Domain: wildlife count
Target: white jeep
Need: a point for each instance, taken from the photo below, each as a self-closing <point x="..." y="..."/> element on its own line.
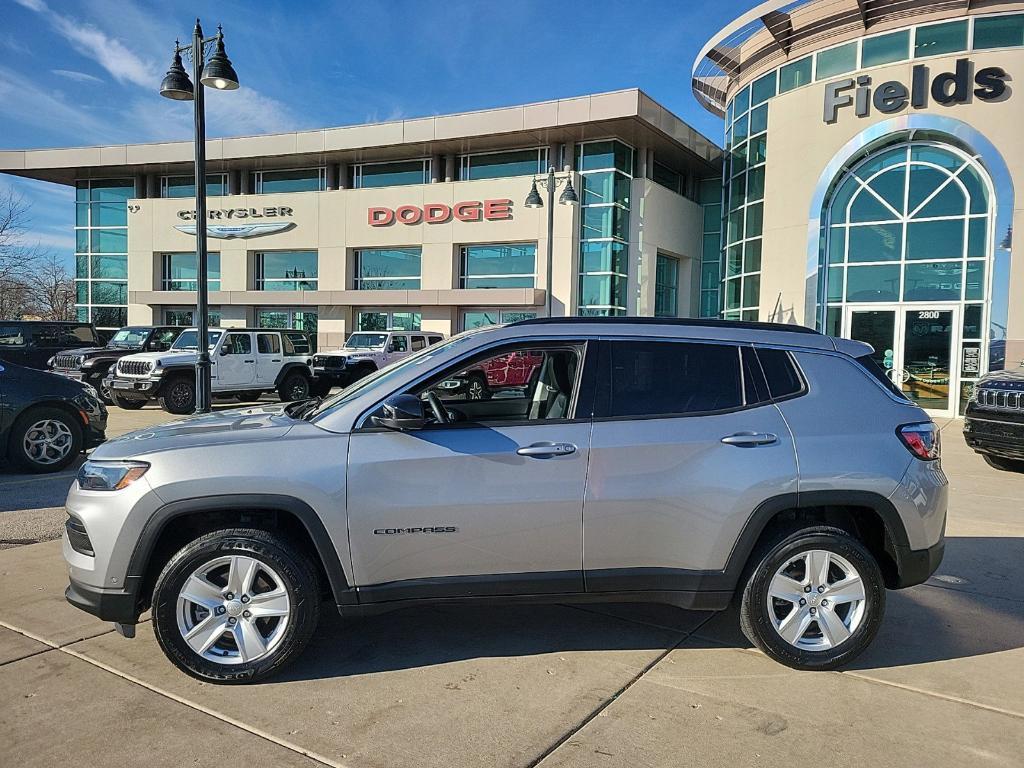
<point x="368" y="351"/>
<point x="245" y="363"/>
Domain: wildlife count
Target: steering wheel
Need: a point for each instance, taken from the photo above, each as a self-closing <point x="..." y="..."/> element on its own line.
<point x="440" y="413"/>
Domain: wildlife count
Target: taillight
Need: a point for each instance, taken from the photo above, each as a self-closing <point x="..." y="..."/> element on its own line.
<point x="921" y="439"/>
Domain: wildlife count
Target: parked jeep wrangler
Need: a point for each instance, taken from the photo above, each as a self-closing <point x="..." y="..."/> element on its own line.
<point x="245" y="363"/>
<point x="92" y="364"/>
<point x="368" y="351"/>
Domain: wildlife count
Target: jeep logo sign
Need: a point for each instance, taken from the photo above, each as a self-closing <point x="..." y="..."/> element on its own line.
<point x="892" y="96"/>
<point x="439" y="213"/>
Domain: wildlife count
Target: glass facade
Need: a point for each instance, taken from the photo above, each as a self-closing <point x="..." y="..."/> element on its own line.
<point x="746" y="138"/>
<point x="666" y="287"/>
<point x="283" y="318"/>
<point x="184" y="316"/>
<point x="480" y="318"/>
<point x="379" y="269"/>
<point x="185" y="186"/>
<point x="606" y="176"/>
<point x="386" y="320"/>
<point x="710" y="198"/>
<point x="501" y="265"/>
<point x="297" y="180"/>
<point x="391" y="174"/>
<point x="180" y="271"/>
<point x="494" y="165"/>
<point x="101" y="251"/>
<point x="286" y="271"/>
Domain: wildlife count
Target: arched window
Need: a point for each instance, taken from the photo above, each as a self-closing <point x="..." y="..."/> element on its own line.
<point x="908" y="224"/>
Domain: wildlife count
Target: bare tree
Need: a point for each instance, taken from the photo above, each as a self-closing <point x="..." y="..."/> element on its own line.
<point x="13" y="220"/>
<point x="51" y="288"/>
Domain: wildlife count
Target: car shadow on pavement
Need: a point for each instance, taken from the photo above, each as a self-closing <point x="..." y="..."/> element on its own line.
<point x="970" y="613"/>
<point x="20" y="491"/>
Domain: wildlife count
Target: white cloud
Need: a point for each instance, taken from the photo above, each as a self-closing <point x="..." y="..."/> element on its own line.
<point x="79" y="77"/>
<point x="245" y="112"/>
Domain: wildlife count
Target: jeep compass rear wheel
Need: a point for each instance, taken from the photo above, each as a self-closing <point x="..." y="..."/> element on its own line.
<point x="814" y="600"/>
<point x="235" y="606"/>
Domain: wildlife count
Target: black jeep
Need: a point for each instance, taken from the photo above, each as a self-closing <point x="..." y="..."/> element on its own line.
<point x="91" y="364"/>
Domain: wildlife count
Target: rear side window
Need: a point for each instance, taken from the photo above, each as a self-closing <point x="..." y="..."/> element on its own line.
<point x="268" y="344"/>
<point x="433" y="339"/>
<point x="867" y="362"/>
<point x="780" y="372"/>
<point x="418" y="343"/>
<point x="295" y="343"/>
<point x="671" y="378"/>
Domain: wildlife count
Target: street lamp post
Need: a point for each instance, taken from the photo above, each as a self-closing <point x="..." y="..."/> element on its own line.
<point x="215" y="72"/>
<point x="533" y="200"/>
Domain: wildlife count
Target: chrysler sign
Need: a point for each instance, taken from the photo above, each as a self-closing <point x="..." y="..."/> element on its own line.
<point x="987" y="84"/>
<point x="440" y="213"/>
<point x="221" y="214"/>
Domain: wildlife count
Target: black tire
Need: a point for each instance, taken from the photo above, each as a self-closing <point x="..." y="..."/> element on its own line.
<point x="757" y="624"/>
<point x="294" y="386"/>
<point x="250" y="396"/>
<point x="1003" y="463"/>
<point x="361" y="373"/>
<point x="299" y="578"/>
<point x="71" y="441"/>
<point x="476" y="387"/>
<point x="178" y="395"/>
<point x="126" y="403"/>
<point x="320" y="388"/>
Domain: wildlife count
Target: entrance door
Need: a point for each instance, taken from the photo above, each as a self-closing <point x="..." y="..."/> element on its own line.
<point x="915" y="347"/>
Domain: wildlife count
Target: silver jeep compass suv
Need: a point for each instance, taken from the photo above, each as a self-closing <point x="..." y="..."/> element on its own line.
<point x="690" y="462"/>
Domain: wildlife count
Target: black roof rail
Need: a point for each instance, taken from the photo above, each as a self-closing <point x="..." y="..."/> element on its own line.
<point x="693" y="322"/>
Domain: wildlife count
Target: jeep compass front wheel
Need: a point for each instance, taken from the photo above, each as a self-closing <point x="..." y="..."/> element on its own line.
<point x="236" y="605"/>
<point x="814" y="600"/>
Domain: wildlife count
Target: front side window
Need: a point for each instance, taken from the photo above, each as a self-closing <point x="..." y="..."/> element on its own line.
<point x="300" y="180"/>
<point x="180" y="271"/>
<point x="520" y="384"/>
<point x="380" y="269"/>
<point x="509" y="265"/>
<point x="667" y="378"/>
<point x="399" y="343"/>
<point x="286" y="271"/>
<point x="237" y="344"/>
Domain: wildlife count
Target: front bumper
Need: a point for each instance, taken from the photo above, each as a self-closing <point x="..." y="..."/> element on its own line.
<point x="336" y="376"/>
<point x="131" y="387"/>
<point x="107" y="604"/>
<point x="995" y="433"/>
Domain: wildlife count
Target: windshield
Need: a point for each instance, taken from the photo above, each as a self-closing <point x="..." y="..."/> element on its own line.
<point x="129" y="338"/>
<point x="366" y="340"/>
<point x="189" y="340"/>
<point x="388" y="372"/>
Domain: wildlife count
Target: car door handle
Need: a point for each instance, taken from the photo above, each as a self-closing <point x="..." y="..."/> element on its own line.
<point x="276" y="360"/>
<point x="750" y="439"/>
<point x="547" y="450"/>
<point x="248" y="361"/>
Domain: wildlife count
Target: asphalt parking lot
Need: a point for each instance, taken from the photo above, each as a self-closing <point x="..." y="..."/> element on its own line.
<point x="623" y="685"/>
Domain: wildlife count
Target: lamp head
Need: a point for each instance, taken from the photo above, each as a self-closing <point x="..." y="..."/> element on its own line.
<point x="533" y="200"/>
<point x="176" y="84"/>
<point x="217" y="71"/>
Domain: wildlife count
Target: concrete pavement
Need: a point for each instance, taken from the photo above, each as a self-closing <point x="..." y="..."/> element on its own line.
<point x="616" y="685"/>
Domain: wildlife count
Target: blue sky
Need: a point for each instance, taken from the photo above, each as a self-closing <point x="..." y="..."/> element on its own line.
<point x="74" y="74"/>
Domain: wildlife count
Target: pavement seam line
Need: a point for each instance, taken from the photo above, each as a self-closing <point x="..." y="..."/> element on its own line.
<point x="176" y="698"/>
<point x="935" y="694"/>
<point x="614" y="697"/>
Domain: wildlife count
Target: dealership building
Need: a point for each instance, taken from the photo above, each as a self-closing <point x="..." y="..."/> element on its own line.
<point x="419" y="224"/>
<point x="873" y="152"/>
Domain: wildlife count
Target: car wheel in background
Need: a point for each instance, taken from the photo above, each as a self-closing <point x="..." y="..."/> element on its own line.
<point x="476" y="387"/>
<point x="814" y="600"/>
<point x="294" y="387"/>
<point x="236" y="605"/>
<point x="178" y="396"/>
<point x="127" y="404"/>
<point x="250" y="396"/>
<point x="45" y="440"/>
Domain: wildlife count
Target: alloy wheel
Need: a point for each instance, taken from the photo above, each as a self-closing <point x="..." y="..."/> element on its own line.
<point x="48" y="441"/>
<point x="816" y="600"/>
<point x="476" y="389"/>
<point x="233" y="609"/>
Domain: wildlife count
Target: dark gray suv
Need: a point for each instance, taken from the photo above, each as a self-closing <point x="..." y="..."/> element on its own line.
<point x="689" y="462"/>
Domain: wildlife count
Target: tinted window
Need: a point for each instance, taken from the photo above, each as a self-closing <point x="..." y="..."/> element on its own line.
<point x="433" y="339"/>
<point x="868" y="364"/>
<point x="267" y="344"/>
<point x="754" y="388"/>
<point x="780" y="372"/>
<point x="418" y="343"/>
<point x="667" y="378"/>
<point x="296" y="343"/>
<point x="399" y="343"/>
<point x="11" y="336"/>
<point x="237" y="344"/>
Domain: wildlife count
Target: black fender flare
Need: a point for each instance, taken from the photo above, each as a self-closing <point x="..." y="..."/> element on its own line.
<point x="325" y="549"/>
<point x="288" y="368"/>
<point x="769" y="508"/>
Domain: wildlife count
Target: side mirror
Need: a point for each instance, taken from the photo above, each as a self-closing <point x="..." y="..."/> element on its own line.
<point x="402" y="412"/>
<point x="223" y="351"/>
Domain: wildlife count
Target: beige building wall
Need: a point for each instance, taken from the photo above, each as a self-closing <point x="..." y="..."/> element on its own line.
<point x="801" y="145"/>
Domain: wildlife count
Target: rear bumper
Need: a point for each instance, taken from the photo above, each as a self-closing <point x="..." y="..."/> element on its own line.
<point x="917" y="565"/>
<point x="109" y="605"/>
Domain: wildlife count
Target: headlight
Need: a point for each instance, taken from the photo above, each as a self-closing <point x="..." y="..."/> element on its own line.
<point x="82" y="362"/>
<point x="110" y="475"/>
<point x="49" y="363"/>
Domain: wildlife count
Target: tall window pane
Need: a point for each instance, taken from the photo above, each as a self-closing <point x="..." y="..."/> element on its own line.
<point x="388" y="269"/>
<point x="511" y="265"/>
<point x="286" y="271"/>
